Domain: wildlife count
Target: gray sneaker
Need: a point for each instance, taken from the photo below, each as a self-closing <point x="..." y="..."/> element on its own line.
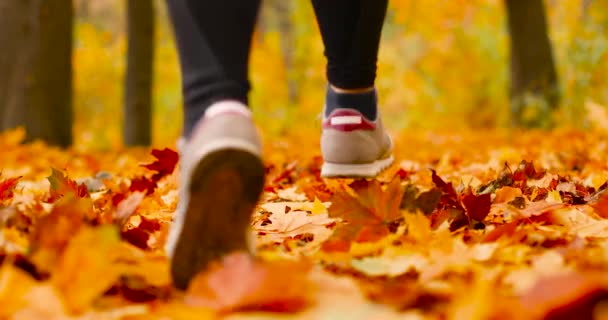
<point x="222" y="178"/>
<point x="354" y="146"/>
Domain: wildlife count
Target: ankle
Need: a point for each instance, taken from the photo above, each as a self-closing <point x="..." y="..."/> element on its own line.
<point x="363" y="100"/>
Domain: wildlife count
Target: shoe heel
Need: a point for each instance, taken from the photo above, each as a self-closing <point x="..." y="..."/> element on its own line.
<point x="225" y="187"/>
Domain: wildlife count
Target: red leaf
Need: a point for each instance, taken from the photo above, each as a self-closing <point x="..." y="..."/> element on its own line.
<point x="7" y="186"/>
<point x="143" y="184"/>
<point x="447" y="188"/>
<point x="402" y="174"/>
<point x="164" y="166"/>
<point x="167" y="160"/>
<point x="137" y="237"/>
<point x="149" y="225"/>
<point x="477" y="206"/>
<point x="449" y="197"/>
<point x="526" y="170"/>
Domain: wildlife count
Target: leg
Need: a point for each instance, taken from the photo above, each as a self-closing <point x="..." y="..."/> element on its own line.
<point x="354" y="142"/>
<point x="213" y="39"/>
<point x="222" y="174"/>
<point x="351" y="32"/>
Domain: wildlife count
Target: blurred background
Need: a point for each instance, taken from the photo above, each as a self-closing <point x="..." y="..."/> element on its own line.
<point x="443" y="65"/>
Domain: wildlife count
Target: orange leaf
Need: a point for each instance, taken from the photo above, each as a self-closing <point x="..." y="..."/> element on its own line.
<point x="7" y="186"/>
<point x="241" y="283"/>
<point x="61" y="185"/>
<point x="502" y="230"/>
<point x="565" y="296"/>
<point x="507" y="194"/>
<point x="367" y="216"/>
<point x="601" y="207"/>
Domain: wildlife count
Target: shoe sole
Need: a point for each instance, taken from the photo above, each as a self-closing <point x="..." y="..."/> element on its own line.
<point x="225" y="187"/>
<point x="366" y="170"/>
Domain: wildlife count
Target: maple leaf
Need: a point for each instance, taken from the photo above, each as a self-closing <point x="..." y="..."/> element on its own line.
<point x="7" y="186"/>
<point x="367" y="216"/>
<point x="241" y="283"/>
<point x="477" y="207"/>
<point x="87" y="251"/>
<point x="500" y="231"/>
<point x="449" y="197"/>
<point x="601" y="206"/>
<point x="164" y="165"/>
<point x="61" y="185"/>
<point x="54" y="231"/>
<point x="507" y="194"/>
<point x="525" y="170"/>
<point x="139" y="235"/>
<point x="142" y="184"/>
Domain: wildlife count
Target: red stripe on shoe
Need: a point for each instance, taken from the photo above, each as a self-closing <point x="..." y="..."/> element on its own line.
<point x="347" y="120"/>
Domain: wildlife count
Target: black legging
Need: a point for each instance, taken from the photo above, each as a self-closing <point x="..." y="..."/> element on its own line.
<point x="214" y="37"/>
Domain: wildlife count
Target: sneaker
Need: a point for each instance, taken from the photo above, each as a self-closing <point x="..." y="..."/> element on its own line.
<point x="222" y="178"/>
<point x="354" y="146"/>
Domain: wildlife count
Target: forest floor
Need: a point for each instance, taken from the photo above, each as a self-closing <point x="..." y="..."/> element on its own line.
<point x="465" y="225"/>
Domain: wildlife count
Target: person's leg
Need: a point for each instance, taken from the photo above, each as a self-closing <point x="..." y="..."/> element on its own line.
<point x="213" y="40"/>
<point x="222" y="175"/>
<point x="353" y="142"/>
<point x="351" y="32"/>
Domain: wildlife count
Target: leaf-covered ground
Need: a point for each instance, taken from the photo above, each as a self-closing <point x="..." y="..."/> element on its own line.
<point x="467" y="225"/>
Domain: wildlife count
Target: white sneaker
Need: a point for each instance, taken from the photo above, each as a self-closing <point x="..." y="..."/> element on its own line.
<point x="222" y="178"/>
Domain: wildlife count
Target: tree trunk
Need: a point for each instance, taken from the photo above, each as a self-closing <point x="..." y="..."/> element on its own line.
<point x="283" y="10"/>
<point x="36" y="64"/>
<point x="276" y="15"/>
<point x="138" y="82"/>
<point x="534" y="85"/>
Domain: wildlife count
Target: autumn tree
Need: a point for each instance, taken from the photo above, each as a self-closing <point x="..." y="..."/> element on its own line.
<point x="534" y="88"/>
<point x="36" y="68"/>
<point x="138" y="81"/>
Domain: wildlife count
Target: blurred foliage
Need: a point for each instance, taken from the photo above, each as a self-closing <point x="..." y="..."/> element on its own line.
<point x="442" y="64"/>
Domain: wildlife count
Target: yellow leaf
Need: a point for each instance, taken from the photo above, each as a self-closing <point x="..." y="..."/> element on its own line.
<point x="84" y="271"/>
<point x="14" y="283"/>
<point x="554" y="197"/>
<point x="318" y="207"/>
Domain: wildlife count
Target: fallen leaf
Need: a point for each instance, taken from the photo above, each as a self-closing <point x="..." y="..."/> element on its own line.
<point x="7" y="186"/>
<point x="164" y="165"/>
<point x="367" y="216"/>
<point x="507" y="194"/>
<point x="477" y="206"/>
<point x="601" y="206"/>
<point x="84" y="271"/>
<point x="61" y="185"/>
<point x="242" y="283"/>
<point x="565" y="296"/>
